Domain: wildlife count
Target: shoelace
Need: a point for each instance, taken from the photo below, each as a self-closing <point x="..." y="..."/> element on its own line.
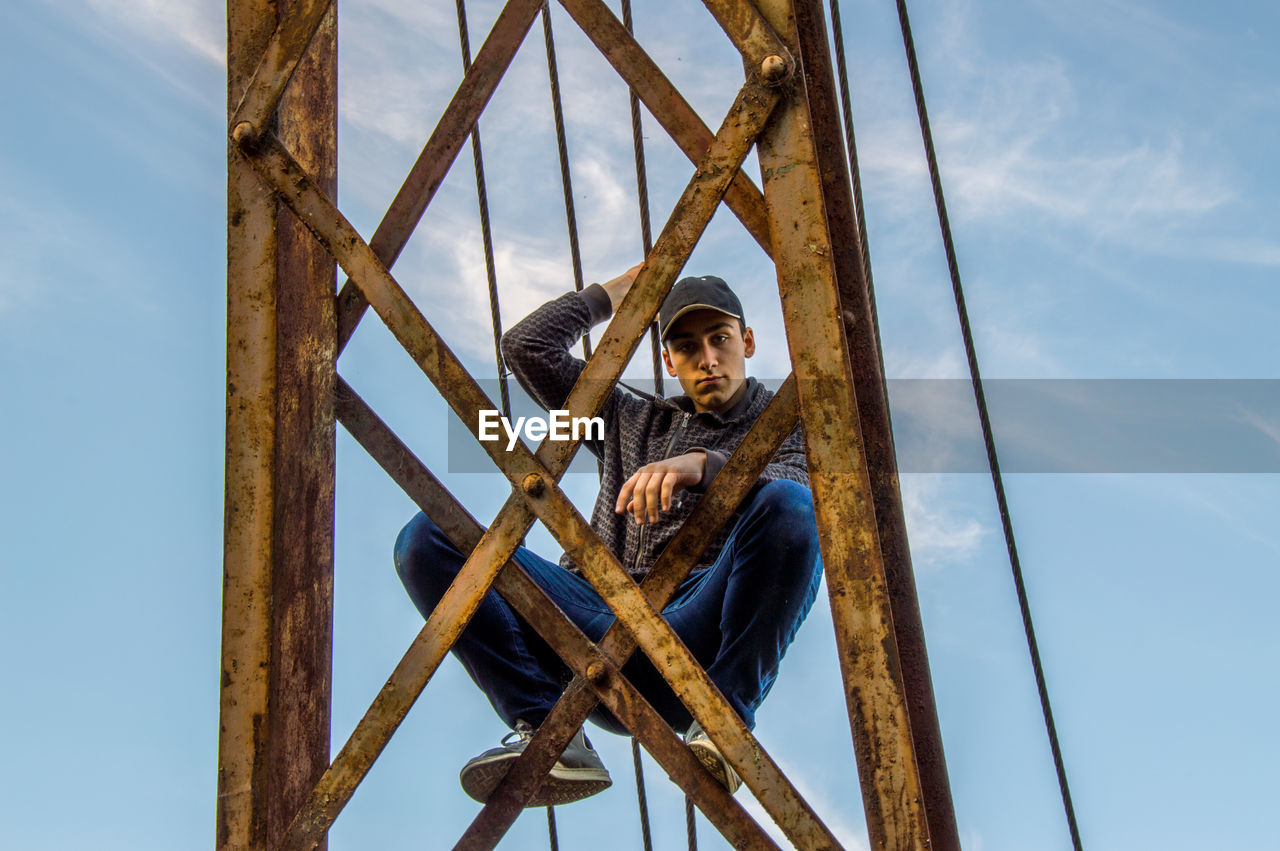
<point x="523" y="733"/>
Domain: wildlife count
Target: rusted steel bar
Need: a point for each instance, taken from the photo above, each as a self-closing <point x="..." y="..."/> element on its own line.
<point x="277" y="168"/>
<point x="279" y="59"/>
<point x="302" y="554"/>
<point x="843" y="501"/>
<point x="250" y="463"/>
<point x="407" y="681"/>
<point x="672" y="566"/>
<point x="762" y="51"/>
<point x="463" y="530"/>
<point x="666" y="105"/>
<point x="429" y="170"/>
<point x="857" y="309"/>
<point x="673" y="661"/>
<point x="622" y="699"/>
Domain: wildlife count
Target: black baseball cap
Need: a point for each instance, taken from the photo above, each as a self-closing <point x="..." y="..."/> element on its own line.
<point x="689" y="294"/>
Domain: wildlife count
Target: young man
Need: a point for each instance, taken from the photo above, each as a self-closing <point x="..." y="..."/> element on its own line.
<point x="738" y="609"/>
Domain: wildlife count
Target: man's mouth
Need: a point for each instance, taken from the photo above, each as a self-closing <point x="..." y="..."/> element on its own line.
<point x="712" y="380"/>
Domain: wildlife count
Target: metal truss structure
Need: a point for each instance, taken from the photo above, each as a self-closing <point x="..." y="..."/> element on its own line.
<point x="286" y="328"/>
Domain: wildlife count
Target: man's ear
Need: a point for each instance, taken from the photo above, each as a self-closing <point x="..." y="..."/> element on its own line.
<point x="666" y="358"/>
<point x="748" y="342"/>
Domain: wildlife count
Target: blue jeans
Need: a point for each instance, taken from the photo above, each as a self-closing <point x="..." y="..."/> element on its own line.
<point x="736" y="616"/>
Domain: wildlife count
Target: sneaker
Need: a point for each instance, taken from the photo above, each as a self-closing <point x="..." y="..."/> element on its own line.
<point x="709" y="755"/>
<point x="577" y="774"/>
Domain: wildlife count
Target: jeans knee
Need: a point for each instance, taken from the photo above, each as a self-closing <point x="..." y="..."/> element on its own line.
<point x="418" y="559"/>
<point x="788" y="510"/>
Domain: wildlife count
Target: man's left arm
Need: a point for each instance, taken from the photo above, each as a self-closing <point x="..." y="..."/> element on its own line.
<point x="787" y="463"/>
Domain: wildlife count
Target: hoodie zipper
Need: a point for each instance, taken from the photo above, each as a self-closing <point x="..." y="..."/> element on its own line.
<point x="666" y="453"/>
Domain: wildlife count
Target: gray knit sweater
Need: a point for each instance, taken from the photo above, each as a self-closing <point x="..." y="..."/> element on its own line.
<point x="638" y="430"/>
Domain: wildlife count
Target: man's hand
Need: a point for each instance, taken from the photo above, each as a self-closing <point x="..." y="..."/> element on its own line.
<point x="621" y="285"/>
<point x="649" y="491"/>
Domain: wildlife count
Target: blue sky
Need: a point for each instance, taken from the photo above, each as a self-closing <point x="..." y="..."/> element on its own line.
<point x="1110" y="171"/>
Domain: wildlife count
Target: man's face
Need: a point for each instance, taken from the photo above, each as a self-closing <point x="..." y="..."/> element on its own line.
<point x="707" y="350"/>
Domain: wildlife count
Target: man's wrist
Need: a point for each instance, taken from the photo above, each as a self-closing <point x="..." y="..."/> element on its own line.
<point x="598" y="302"/>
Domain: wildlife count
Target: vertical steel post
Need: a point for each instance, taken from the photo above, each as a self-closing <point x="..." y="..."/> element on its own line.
<point x="278" y="551"/>
<point x="847" y="248"/>
<point x="839" y="476"/>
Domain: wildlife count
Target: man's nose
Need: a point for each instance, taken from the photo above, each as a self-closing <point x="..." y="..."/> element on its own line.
<point x="708" y="355"/>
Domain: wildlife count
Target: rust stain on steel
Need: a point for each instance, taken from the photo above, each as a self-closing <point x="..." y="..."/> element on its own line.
<point x="752" y="35"/>
<point x="277" y="167"/>
<point x="250" y="456"/>
<point x="441" y="149"/>
<point x="673" y="565"/>
<point x="667" y="106"/>
<point x="302" y="554"/>
<point x="842" y="493"/>
<point x="278" y="62"/>
<point x="873" y="412"/>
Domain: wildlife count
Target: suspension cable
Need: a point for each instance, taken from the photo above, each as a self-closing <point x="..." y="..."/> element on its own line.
<point x="562" y="146"/>
<point x="645" y="835"/>
<point x="642" y="195"/>
<point x="482" y="196"/>
<point x="551" y="829"/>
<point x="971" y="353"/>
<point x="690" y="823"/>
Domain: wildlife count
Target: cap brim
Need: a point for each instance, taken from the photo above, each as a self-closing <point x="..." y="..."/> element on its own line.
<point x="688" y="308"/>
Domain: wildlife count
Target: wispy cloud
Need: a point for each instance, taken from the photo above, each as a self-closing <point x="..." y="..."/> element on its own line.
<point x="1019" y="147"/>
<point x="939" y="534"/>
<point x="198" y="25"/>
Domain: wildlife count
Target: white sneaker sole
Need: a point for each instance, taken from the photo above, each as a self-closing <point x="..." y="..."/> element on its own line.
<point x="563" y="785"/>
<point x="720" y="769"/>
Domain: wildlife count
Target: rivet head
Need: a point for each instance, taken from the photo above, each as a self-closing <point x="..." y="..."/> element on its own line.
<point x="533" y="485"/>
<point x="774" y="69"/>
<point x="596" y="672"/>
<point x="244" y="133"/>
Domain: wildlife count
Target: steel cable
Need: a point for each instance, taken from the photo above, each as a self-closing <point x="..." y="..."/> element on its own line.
<point x="562" y="148"/>
<point x="971" y="353"/>
<point x="642" y="195"/>
<point x="482" y="197"/>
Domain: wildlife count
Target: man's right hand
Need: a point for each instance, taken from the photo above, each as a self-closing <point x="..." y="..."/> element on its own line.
<point x="621" y="285"/>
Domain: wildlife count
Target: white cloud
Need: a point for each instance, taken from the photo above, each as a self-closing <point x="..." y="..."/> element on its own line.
<point x="198" y="25"/>
<point x="938" y="535"/>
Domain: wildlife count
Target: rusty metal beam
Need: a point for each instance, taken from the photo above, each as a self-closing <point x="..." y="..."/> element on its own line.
<point x="278" y="555"/>
<point x="463" y="530"/>
<point x="673" y="565"/>
<point x="667" y="105"/>
<point x="278" y="62"/>
<point x="762" y="51"/>
<point x="250" y="463"/>
<point x="622" y="699"/>
<point x="670" y="657"/>
<point x="433" y="163"/>
<point x="302" y="552"/>
<point x="857" y="310"/>
<point x="698" y="203"/>
<point x="860" y="608"/>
